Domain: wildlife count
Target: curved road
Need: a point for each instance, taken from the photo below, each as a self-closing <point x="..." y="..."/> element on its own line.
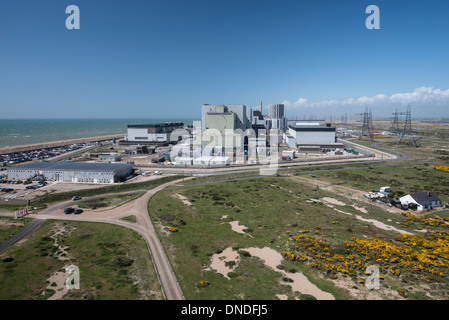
<point x="143" y="226"/>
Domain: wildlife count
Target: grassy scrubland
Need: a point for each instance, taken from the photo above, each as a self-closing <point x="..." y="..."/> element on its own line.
<point x="10" y="227"/>
<point x="114" y="263"/>
<point x="403" y="179"/>
<point x="329" y="246"/>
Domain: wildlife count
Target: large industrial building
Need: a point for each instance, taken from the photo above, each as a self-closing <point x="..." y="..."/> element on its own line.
<point x="153" y="133"/>
<point x="225" y="117"/>
<point x="72" y="172"/>
<point x="276" y="113"/>
<point x="311" y="134"/>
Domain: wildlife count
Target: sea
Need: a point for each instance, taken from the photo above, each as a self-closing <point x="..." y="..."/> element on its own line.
<point x="16" y="132"/>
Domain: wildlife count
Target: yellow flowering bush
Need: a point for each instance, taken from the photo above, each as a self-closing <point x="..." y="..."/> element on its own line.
<point x="427" y="257"/>
<point x="441" y="168"/>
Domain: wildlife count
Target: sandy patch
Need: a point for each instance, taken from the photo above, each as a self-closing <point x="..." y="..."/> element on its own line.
<point x="163" y="228"/>
<point x="223" y="217"/>
<point x="9" y="224"/>
<point x="282" y="296"/>
<point x="300" y="283"/>
<point x="238" y="228"/>
<point x="219" y="262"/>
<point x="58" y="280"/>
<point x="20" y="242"/>
<point x="382" y="225"/>
<point x="183" y="199"/>
<point x="361" y="209"/>
<point x="376" y="223"/>
<point x="333" y="201"/>
<point x="62" y="253"/>
<point x="361" y="292"/>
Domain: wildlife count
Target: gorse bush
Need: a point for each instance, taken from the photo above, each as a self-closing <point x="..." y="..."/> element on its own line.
<point x="441" y="168"/>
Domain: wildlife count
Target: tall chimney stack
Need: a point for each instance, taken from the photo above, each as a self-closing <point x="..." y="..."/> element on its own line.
<point x="260" y="107"/>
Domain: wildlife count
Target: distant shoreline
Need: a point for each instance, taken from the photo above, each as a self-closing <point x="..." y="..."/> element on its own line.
<point x="53" y="144"/>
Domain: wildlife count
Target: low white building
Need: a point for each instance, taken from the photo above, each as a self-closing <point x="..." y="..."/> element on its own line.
<point x="421" y="200"/>
<point x="289" y="140"/>
<point x="183" y="161"/>
<point x="220" y="161"/>
<point x="201" y="161"/>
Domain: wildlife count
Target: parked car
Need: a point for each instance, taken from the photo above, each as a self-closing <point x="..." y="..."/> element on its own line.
<point x="78" y="211"/>
<point x="76" y="198"/>
<point x="157" y="172"/>
<point x="69" y="210"/>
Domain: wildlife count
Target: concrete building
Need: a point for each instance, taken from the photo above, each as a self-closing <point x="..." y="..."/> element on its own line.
<point x="72" y="172"/>
<point x="153" y="133"/>
<point x="109" y="157"/>
<point x="276" y="113"/>
<point x="219" y="117"/>
<point x="260" y="121"/>
<point x="313" y="134"/>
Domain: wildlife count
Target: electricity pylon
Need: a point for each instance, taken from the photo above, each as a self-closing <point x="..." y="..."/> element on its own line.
<point x="408" y="127"/>
<point x="395" y="125"/>
<point x="367" y="128"/>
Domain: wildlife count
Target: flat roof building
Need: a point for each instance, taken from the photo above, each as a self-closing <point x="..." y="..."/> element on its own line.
<point x="241" y="119"/>
<point x="72" y="172"/>
<point x="153" y="133"/>
<point x="312" y="133"/>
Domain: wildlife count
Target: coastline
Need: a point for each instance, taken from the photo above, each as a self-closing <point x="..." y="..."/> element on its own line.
<point x="54" y="144"/>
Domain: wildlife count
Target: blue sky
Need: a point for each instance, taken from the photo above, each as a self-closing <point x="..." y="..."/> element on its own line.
<point x="159" y="59"/>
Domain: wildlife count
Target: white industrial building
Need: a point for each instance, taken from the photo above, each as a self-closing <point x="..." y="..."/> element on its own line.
<point x="72" y="172"/>
<point x="242" y="117"/>
<point x="312" y="133"/>
<point x="153" y="133"/>
<point x="276" y="113"/>
<point x="183" y="161"/>
<point x="212" y="161"/>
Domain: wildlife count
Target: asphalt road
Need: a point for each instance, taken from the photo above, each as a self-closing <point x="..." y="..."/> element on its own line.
<point x="30" y="227"/>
